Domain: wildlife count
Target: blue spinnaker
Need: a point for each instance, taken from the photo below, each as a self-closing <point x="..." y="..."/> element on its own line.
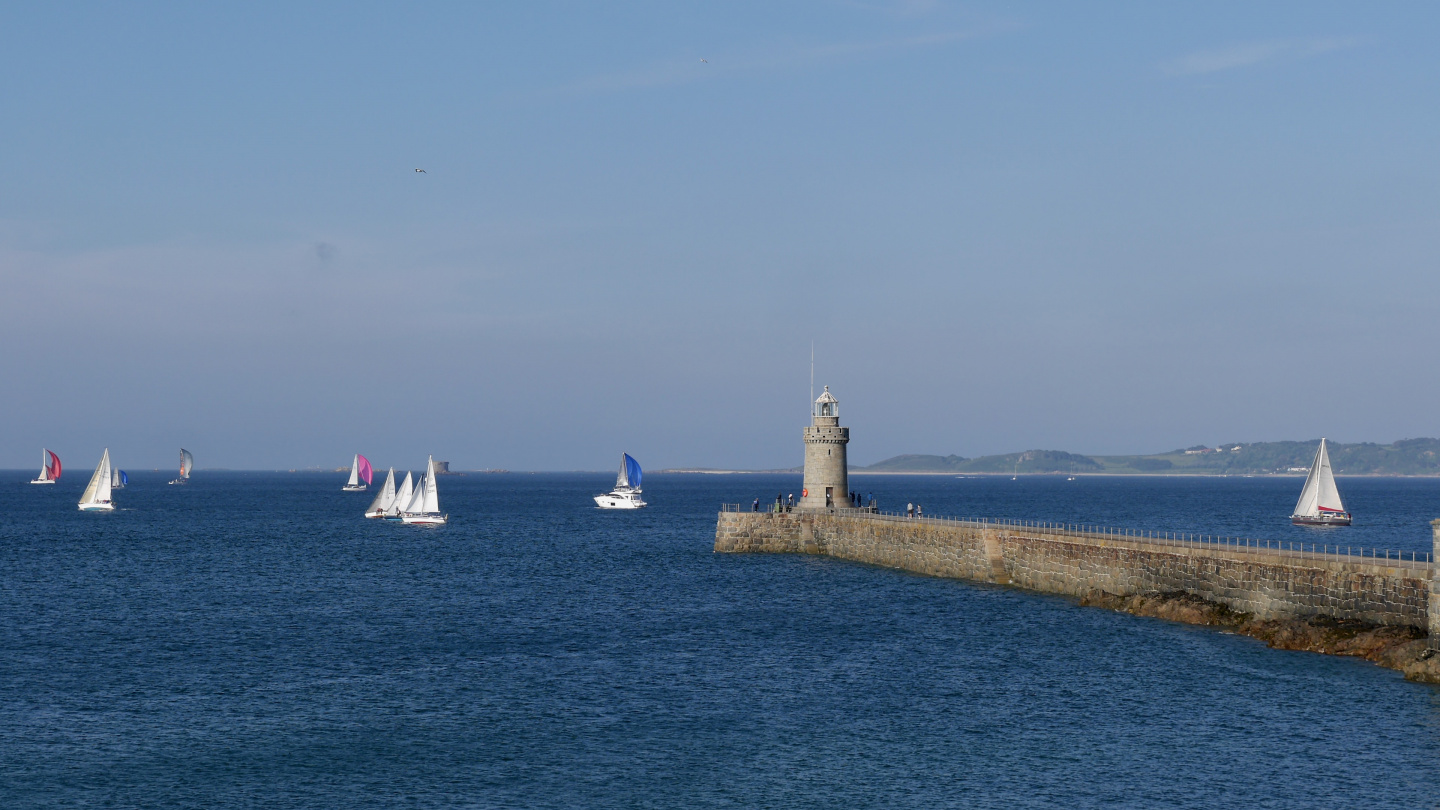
<point x="124" y="479"/>
<point x="632" y="471"/>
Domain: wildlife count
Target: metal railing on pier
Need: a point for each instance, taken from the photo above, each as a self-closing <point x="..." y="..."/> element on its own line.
<point x="1289" y="548"/>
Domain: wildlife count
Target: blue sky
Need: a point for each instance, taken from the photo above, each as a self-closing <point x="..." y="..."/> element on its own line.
<point x="1124" y="228"/>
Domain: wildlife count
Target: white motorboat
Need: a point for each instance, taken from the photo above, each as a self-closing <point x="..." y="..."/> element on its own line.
<point x="424" y="509"/>
<point x="360" y="475"/>
<point x="384" y="499"/>
<point x="1319" y="503"/>
<point x="49" y="468"/>
<point x="187" y="463"/>
<point x="626" y="494"/>
<point x="97" y="492"/>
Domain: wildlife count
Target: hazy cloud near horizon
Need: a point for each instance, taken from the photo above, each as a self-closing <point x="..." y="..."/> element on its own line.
<point x="1002" y="226"/>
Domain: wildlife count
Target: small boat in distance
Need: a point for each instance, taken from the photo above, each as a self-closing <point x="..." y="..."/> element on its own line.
<point x="118" y="479"/>
<point x="403" y="496"/>
<point x="626" y="494"/>
<point x="359" y="471"/>
<point x="187" y="463"/>
<point x="424" y="507"/>
<point x="1319" y="503"/>
<point x="97" y="492"/>
<point x="384" y="499"/>
<point x="49" y="468"/>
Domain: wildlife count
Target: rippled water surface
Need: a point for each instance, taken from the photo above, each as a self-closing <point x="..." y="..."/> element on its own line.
<point x="251" y="641"/>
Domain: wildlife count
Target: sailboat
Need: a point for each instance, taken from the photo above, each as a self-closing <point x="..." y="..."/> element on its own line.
<point x="403" y="496"/>
<point x="97" y="492"/>
<point x="384" y="499"/>
<point x="49" y="468"/>
<point x="1319" y="503"/>
<point x="424" y="507"/>
<point x="359" y="471"/>
<point x="187" y="462"/>
<point x="626" y="494"/>
<point x="118" y="479"/>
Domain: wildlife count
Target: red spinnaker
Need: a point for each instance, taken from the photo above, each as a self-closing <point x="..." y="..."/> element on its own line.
<point x="54" y="465"/>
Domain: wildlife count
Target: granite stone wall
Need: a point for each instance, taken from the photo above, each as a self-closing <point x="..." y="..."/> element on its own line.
<point x="1267" y="583"/>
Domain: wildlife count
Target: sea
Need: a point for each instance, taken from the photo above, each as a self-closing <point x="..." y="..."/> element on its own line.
<point x="250" y="640"/>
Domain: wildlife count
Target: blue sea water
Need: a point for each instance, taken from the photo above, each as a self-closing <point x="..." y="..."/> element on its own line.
<point x="251" y="641"/>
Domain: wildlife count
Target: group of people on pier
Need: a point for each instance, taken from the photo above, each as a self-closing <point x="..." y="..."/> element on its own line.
<point x="785" y="503"/>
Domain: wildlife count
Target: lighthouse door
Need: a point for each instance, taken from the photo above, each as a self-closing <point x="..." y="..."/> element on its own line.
<point x="829" y="496"/>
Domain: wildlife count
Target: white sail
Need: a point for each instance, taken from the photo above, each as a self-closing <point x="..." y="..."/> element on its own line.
<point x="44" y="465"/>
<point x="187" y="462"/>
<point x="98" y="490"/>
<point x="1319" y="494"/>
<point x="402" y="497"/>
<point x="622" y="481"/>
<point x="417" y="499"/>
<point x="431" y="503"/>
<point x="354" y="472"/>
<point x="114" y="479"/>
<point x="385" y="497"/>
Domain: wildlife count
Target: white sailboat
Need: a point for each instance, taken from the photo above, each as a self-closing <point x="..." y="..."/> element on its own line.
<point x="384" y="499"/>
<point x="49" y="468"/>
<point x="97" y="492"/>
<point x="626" y="494"/>
<point x="403" y="496"/>
<point x="425" y="506"/>
<point x="1319" y="503"/>
<point x="359" y="472"/>
<point x="187" y="463"/>
<point x="118" y="479"/>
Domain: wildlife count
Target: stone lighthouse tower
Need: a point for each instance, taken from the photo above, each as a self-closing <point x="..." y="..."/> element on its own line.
<point x="827" y="478"/>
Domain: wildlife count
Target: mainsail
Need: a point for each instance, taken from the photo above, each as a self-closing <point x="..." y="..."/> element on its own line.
<point x="98" y="490"/>
<point x="402" y="497"/>
<point x="385" y="498"/>
<point x="417" y="499"/>
<point x="1319" y="494"/>
<point x="187" y="462"/>
<point x="431" y="502"/>
<point x="354" y="472"/>
<point x="630" y="473"/>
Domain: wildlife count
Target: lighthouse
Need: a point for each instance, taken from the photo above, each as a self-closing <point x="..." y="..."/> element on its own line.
<point x="827" y="478"/>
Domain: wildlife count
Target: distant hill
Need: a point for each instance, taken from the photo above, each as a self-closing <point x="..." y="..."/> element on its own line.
<point x="1404" y="457"/>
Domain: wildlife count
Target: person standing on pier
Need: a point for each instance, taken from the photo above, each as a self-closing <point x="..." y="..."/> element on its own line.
<point x="909" y="510"/>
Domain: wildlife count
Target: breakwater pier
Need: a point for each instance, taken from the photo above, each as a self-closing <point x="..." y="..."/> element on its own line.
<point x="1383" y="605"/>
<point x="1256" y="579"/>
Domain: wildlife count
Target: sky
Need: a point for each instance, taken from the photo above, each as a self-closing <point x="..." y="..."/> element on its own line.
<point x="1102" y="228"/>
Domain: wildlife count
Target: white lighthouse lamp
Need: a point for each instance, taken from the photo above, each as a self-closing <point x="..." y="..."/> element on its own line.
<point x="827" y="405"/>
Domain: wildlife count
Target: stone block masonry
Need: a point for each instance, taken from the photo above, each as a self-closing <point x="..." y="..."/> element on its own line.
<point x="1267" y="583"/>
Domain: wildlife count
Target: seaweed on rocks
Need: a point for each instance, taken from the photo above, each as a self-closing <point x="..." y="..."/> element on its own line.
<point x="1402" y="648"/>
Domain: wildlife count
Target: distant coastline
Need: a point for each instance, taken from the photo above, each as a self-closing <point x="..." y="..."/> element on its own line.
<point x="1406" y="457"/>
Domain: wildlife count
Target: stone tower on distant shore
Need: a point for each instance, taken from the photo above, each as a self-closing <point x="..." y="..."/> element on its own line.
<point x="827" y="478"/>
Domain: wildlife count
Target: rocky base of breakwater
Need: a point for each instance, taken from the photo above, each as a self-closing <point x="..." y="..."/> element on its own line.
<point x="1402" y="648"/>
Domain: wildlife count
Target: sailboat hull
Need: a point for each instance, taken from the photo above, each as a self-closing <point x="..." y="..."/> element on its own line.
<point x="375" y="513"/>
<point x="356" y="488"/>
<point x="425" y="519"/>
<point x="43" y="481"/>
<point x="1341" y="519"/>
<point x="97" y="507"/>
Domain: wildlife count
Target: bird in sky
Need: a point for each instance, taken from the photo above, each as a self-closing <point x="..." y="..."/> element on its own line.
<point x="706" y="61"/>
<point x="422" y="171"/>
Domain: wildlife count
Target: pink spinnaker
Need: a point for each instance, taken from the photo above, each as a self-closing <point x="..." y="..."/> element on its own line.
<point x="366" y="474"/>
